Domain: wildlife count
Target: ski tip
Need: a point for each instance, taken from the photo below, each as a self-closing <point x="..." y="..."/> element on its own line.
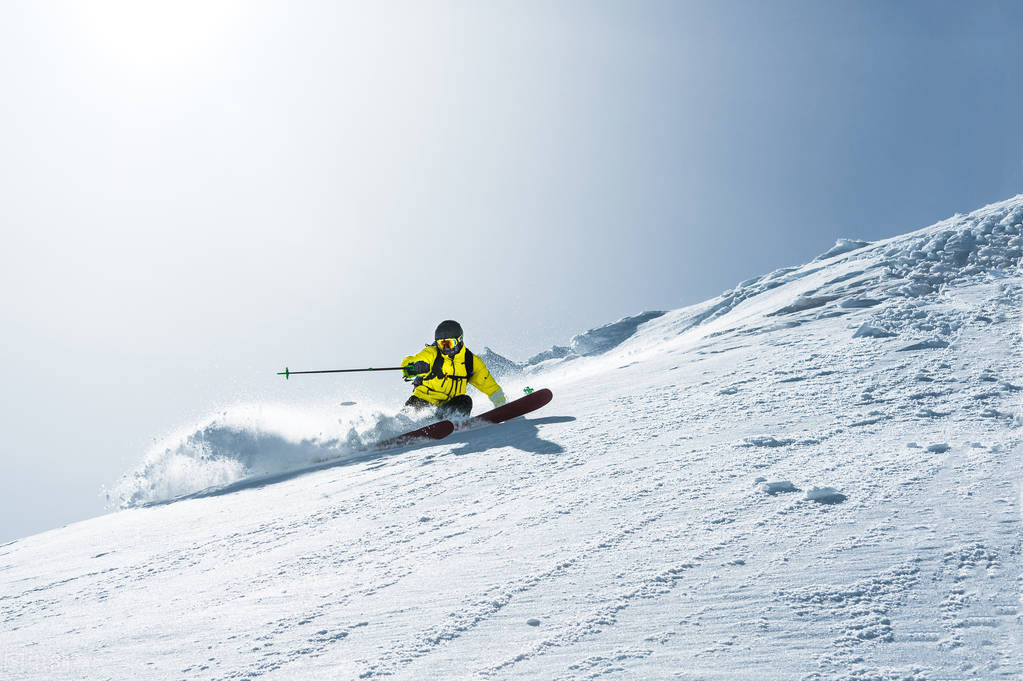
<point x="543" y="395"/>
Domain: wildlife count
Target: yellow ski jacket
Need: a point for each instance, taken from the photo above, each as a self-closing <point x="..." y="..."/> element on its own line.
<point x="448" y="378"/>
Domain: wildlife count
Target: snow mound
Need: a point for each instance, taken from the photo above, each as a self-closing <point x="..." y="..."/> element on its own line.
<point x="868" y="331"/>
<point x="604" y="338"/>
<point x="778" y="487"/>
<point x="825" y="495"/>
<point x="841" y="247"/>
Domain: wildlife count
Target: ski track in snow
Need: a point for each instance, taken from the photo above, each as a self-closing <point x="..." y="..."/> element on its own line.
<point x="747" y="488"/>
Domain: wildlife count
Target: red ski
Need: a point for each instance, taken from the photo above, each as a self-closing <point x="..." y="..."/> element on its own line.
<point x="441" y="429"/>
<point x="434" y="431"/>
<point x="523" y="405"/>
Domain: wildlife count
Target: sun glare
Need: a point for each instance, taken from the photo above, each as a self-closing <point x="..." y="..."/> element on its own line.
<point x="150" y="38"/>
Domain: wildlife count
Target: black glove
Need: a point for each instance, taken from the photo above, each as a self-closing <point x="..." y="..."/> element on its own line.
<point x="415" y="368"/>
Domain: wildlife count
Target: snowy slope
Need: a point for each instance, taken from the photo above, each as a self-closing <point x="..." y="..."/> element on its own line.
<point x="815" y="475"/>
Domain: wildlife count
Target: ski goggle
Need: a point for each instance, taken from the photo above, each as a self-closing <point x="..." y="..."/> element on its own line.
<point x="448" y="343"/>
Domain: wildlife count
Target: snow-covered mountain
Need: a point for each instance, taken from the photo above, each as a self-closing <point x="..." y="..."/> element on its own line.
<point x="815" y="475"/>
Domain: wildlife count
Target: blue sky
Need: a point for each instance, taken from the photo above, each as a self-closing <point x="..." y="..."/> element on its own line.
<point x="195" y="194"/>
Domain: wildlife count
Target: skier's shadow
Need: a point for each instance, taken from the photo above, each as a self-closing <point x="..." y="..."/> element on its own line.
<point x="519" y="433"/>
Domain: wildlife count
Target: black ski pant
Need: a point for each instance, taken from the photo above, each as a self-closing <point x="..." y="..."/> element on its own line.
<point x="460" y="406"/>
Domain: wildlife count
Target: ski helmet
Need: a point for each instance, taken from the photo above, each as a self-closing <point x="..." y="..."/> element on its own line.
<point x="448" y="328"/>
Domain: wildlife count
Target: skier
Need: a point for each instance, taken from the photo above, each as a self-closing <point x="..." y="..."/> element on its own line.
<point x="442" y="370"/>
